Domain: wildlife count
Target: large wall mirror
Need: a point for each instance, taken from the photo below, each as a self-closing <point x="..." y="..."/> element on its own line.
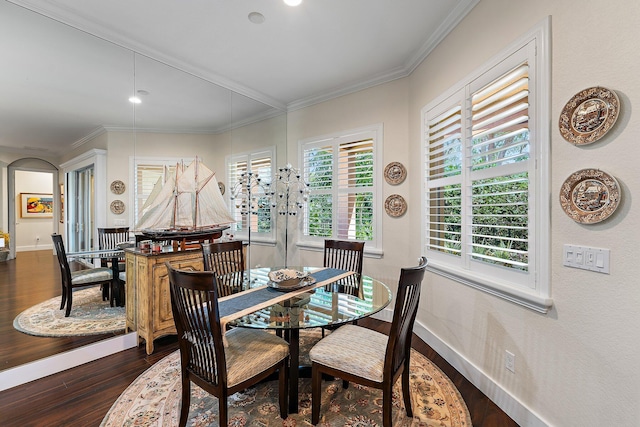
<point x="63" y="72"/>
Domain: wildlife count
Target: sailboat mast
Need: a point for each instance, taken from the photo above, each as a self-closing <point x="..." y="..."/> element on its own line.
<point x="179" y="167"/>
<point x="197" y="194"/>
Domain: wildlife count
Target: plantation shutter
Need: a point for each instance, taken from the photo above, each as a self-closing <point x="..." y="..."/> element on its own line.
<point x="444" y="169"/>
<point x="355" y="190"/>
<point x="318" y="173"/>
<point x="499" y="177"/>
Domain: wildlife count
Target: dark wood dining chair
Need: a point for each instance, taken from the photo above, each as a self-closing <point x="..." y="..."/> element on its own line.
<point x="221" y="367"/>
<point x="110" y="238"/>
<point x="227" y="260"/>
<point x="379" y="359"/>
<point x="80" y="278"/>
<point x="345" y="255"/>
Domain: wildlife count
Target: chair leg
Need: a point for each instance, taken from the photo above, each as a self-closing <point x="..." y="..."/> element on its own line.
<point x="64" y="298"/>
<point x="186" y="402"/>
<point x="69" y="299"/>
<point x="223" y="408"/>
<point x="316" y="379"/>
<point x="387" y="397"/>
<point x="283" y="389"/>
<point x="405" y="389"/>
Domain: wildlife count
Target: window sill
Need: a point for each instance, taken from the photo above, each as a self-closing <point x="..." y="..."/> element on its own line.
<point x="319" y="247"/>
<point x="503" y="290"/>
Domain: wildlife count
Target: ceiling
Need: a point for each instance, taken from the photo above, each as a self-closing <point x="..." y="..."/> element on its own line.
<point x="297" y="57"/>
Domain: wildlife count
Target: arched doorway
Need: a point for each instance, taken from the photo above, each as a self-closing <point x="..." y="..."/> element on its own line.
<point x="30" y="165"/>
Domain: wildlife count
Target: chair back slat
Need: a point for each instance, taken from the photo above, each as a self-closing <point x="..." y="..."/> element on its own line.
<point x="109" y="238"/>
<point x="404" y="315"/>
<point x="226" y="259"/>
<point x="194" y="303"/>
<point x="345" y="255"/>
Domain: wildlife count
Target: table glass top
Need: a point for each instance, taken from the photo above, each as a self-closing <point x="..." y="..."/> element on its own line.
<point x="333" y="304"/>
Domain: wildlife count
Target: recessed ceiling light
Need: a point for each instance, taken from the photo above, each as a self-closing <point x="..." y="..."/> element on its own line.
<point x="256" y="17"/>
<point x="135" y="100"/>
<point x="293" y="2"/>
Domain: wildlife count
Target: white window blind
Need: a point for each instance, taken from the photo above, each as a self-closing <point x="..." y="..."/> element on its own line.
<point x="484" y="200"/>
<point x="343" y="188"/>
<point x="254" y="213"/>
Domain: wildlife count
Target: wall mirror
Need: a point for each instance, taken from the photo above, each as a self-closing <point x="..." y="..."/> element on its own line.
<point x="180" y="116"/>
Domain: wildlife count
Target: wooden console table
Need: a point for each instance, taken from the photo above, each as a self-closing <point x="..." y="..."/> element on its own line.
<point x="148" y="301"/>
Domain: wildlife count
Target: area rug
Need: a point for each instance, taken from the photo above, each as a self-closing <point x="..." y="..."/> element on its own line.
<point x="89" y="316"/>
<point x="153" y="399"/>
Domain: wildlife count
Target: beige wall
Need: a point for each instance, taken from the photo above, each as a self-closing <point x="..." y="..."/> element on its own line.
<point x="576" y="365"/>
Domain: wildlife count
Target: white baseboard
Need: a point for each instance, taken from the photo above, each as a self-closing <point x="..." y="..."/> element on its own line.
<point x="521" y="414"/>
<point x="52" y="365"/>
<point x="38" y="247"/>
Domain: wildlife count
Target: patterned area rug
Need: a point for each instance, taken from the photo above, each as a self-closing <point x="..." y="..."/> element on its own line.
<point x="89" y="316"/>
<point x="153" y="399"/>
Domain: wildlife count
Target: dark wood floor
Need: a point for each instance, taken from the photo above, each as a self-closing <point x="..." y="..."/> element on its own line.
<point x="82" y="396"/>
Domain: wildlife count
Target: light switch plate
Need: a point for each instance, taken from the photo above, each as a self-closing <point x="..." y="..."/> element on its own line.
<point x="586" y="258"/>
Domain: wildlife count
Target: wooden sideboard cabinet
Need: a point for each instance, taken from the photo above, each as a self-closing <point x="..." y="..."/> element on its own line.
<point x="148" y="301"/>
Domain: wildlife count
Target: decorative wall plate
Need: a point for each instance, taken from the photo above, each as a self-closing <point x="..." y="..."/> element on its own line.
<point x="221" y="187"/>
<point x="395" y="205"/>
<point x="589" y="196"/>
<point x="117" y="187"/>
<point x="117" y="207"/>
<point x="589" y="115"/>
<point x="395" y="173"/>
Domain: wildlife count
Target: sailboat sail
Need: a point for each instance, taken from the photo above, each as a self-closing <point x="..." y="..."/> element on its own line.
<point x="190" y="200"/>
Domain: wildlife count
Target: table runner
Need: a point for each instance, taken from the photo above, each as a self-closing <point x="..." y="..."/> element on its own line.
<point x="237" y="305"/>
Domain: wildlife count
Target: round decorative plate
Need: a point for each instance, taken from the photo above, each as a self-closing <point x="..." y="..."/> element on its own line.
<point x="117" y="207"/>
<point x="117" y="187"/>
<point x="221" y="187"/>
<point x="395" y="173"/>
<point x="589" y="196"/>
<point x="395" y="205"/>
<point x="589" y="115"/>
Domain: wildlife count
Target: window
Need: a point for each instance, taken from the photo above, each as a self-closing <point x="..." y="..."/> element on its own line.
<point x="148" y="172"/>
<point x="344" y="190"/>
<point x="486" y="211"/>
<point x="256" y="212"/>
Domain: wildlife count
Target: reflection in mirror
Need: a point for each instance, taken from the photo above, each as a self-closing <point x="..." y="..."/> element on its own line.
<point x="59" y="72"/>
<point x="59" y="87"/>
<point x="181" y="116"/>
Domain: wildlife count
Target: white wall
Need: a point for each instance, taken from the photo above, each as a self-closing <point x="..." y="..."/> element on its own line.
<point x="576" y="365"/>
<point x="32" y="233"/>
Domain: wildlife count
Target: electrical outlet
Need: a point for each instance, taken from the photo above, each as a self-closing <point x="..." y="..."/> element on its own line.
<point x="510" y="361"/>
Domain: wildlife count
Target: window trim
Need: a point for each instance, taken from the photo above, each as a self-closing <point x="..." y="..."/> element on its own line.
<point x="256" y="237"/>
<point x="538" y="297"/>
<point x="376" y="133"/>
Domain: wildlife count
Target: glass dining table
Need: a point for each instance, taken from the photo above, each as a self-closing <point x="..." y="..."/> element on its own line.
<point x="331" y="301"/>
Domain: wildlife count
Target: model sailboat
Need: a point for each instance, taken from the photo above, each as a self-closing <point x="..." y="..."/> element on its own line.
<point x="188" y="205"/>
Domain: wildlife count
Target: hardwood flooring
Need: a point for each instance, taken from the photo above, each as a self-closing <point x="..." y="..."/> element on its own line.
<point x="82" y="396"/>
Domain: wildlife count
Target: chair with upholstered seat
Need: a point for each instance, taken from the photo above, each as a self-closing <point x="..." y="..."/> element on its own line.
<point x="111" y="238"/>
<point x="227" y="260"/>
<point x="220" y="366"/>
<point x="75" y="279"/>
<point x="379" y="359"/>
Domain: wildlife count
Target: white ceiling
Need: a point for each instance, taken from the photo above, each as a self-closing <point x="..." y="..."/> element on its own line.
<point x="297" y="57"/>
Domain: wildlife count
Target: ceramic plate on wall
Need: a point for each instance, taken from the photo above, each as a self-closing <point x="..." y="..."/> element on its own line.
<point x="395" y="173"/>
<point x="395" y="205"/>
<point x="589" y="115"/>
<point x="117" y="207"/>
<point x="117" y="187"/>
<point x="589" y="196"/>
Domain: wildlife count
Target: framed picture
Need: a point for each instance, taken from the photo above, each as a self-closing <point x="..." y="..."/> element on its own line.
<point x="36" y="205"/>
